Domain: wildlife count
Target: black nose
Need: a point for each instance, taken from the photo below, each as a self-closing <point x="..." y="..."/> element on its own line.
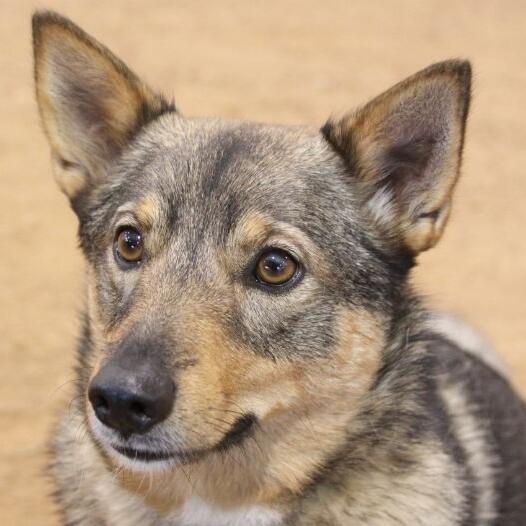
<point x="131" y="401"/>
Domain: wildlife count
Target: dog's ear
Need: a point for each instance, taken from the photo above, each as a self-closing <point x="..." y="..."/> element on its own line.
<point x="404" y="149"/>
<point x="91" y="104"/>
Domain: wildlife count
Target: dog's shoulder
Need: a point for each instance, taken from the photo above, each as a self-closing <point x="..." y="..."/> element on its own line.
<point x="477" y="415"/>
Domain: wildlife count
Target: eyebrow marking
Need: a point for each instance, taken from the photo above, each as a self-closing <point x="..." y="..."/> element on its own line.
<point x="256" y="230"/>
<point x="147" y="210"/>
<point x="253" y="229"/>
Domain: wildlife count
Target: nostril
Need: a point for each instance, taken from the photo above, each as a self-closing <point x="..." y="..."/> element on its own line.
<point x="99" y="402"/>
<point x="138" y="409"/>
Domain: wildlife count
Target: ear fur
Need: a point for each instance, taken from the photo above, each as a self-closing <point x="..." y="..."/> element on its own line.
<point x="404" y="147"/>
<point x="90" y="103"/>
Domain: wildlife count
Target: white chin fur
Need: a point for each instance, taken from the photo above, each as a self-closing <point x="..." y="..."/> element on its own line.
<point x="198" y="512"/>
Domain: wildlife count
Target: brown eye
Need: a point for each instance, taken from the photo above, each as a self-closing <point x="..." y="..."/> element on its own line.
<point x="129" y="245"/>
<point x="276" y="267"/>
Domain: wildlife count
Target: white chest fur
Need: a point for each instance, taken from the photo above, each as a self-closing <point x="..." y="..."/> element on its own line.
<point x="197" y="512"/>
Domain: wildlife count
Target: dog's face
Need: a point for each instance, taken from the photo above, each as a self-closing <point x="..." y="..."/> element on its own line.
<point x="209" y="260"/>
<point x="242" y="277"/>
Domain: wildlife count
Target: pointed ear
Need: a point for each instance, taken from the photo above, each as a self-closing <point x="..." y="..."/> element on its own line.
<point x="91" y="104"/>
<point x="404" y="149"/>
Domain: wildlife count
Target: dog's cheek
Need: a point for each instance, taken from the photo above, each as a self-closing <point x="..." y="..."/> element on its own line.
<point x="101" y="295"/>
<point x="340" y="373"/>
<point x="230" y="380"/>
<point x="313" y="400"/>
<point x="333" y="382"/>
<point x="226" y="382"/>
<point x="262" y="386"/>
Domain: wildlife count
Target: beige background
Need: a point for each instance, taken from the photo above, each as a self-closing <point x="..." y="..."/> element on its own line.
<point x="292" y="62"/>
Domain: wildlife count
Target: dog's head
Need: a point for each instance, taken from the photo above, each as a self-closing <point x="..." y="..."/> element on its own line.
<point x="242" y="277"/>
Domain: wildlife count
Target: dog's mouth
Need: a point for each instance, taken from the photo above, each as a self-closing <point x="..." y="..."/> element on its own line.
<point x="240" y="430"/>
<point x="143" y="455"/>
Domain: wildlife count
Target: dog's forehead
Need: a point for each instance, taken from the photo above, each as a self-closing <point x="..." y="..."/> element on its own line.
<point x="209" y="160"/>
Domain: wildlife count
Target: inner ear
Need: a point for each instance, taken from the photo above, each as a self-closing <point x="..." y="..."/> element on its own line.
<point x="90" y="102"/>
<point x="404" y="149"/>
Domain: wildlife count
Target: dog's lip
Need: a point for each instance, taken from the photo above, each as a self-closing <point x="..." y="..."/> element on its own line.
<point x="237" y="433"/>
<point x="145" y="455"/>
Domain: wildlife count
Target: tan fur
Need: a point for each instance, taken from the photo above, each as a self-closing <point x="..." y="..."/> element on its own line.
<point x="148" y="212"/>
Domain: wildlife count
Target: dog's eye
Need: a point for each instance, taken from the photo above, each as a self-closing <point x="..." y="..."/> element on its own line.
<point x="276" y="267"/>
<point x="129" y="244"/>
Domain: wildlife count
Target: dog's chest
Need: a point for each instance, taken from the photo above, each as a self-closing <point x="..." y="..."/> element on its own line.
<point x="197" y="512"/>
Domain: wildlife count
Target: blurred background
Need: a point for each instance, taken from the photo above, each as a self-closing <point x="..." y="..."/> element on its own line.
<point x="278" y="61"/>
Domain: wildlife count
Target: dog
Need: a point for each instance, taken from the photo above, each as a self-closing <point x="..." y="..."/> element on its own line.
<point x="252" y="350"/>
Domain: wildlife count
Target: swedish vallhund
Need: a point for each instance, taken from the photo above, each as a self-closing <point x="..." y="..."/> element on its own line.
<point x="252" y="351"/>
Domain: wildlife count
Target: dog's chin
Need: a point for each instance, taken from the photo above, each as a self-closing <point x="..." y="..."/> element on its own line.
<point x="141" y="456"/>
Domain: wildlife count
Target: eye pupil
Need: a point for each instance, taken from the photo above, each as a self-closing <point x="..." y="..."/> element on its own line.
<point x="276" y="267"/>
<point x="275" y="263"/>
<point x="132" y="239"/>
<point x="129" y="245"/>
